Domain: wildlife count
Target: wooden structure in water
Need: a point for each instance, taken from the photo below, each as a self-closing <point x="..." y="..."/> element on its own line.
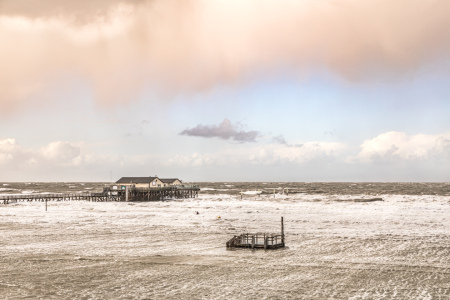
<point x="108" y="194"/>
<point x="258" y="240"/>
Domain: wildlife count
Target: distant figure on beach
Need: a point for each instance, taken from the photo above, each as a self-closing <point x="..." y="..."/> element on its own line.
<point x="218" y="217"/>
<point x="197" y="212"/>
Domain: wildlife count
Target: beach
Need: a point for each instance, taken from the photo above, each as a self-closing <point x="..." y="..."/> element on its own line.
<point x="337" y="247"/>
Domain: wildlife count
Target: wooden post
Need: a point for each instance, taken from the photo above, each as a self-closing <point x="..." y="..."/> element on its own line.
<point x="45" y="204"/>
<point x="265" y="241"/>
<point x="282" y="231"/>
<point x="126" y="193"/>
<point x="253" y="241"/>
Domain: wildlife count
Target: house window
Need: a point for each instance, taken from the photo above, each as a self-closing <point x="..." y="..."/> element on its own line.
<point x="154" y="183"/>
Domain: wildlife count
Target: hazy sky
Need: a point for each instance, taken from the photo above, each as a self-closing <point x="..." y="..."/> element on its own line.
<point x="236" y="90"/>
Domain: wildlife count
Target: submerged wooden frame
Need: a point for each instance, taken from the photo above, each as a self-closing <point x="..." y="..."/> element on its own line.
<point x="258" y="240"/>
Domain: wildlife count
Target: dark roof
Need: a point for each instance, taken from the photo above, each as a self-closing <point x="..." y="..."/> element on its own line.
<point x="136" y="179"/>
<point x="168" y="180"/>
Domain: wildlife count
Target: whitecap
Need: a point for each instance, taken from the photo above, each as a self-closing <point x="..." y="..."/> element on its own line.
<point x="252" y="192"/>
<point x="28" y="192"/>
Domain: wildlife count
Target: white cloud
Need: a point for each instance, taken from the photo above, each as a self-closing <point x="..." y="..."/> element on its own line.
<point x="61" y="153"/>
<point x="12" y="153"/>
<point x="393" y="146"/>
<point x="54" y="154"/>
<point x="399" y="156"/>
<point x="263" y="154"/>
<point x="308" y="151"/>
<point x="6" y="147"/>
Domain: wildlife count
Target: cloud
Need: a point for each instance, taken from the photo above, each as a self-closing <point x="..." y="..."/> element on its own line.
<point x="56" y="161"/>
<point x="138" y="128"/>
<point x="389" y="156"/>
<point x="10" y="150"/>
<point x="120" y="47"/>
<point x="263" y="155"/>
<point x="63" y="153"/>
<point x="394" y="147"/>
<point x="281" y="140"/>
<point x="307" y="152"/>
<point x="79" y="12"/>
<point x="224" y="130"/>
<point x="55" y="154"/>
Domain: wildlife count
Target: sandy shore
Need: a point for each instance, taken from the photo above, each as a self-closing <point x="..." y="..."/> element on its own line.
<point x="337" y="249"/>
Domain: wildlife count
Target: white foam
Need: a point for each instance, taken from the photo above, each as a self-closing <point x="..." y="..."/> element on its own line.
<point x="28" y="192"/>
<point x="395" y="245"/>
<point x="252" y="192"/>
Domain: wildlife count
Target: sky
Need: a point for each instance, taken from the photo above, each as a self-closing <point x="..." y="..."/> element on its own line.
<point x="213" y="90"/>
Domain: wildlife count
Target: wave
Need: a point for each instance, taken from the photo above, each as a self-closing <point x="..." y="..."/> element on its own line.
<point x="28" y="192"/>
<point x="252" y="192"/>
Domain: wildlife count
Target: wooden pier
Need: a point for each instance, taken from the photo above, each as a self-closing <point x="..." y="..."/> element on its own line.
<point x="258" y="240"/>
<point x="108" y="194"/>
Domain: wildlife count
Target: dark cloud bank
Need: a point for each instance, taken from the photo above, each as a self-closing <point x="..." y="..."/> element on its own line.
<point x="224" y="130"/>
<point x="122" y="47"/>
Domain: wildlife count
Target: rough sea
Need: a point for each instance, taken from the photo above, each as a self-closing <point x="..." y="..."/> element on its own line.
<point x="344" y="241"/>
<point x="233" y="188"/>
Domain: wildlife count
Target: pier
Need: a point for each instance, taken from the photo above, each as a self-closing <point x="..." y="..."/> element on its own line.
<point x="123" y="195"/>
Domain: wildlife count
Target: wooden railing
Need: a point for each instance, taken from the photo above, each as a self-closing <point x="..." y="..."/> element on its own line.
<point x="258" y="240"/>
<point x="108" y="194"/>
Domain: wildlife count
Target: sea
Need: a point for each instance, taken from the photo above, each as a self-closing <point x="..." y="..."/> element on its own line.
<point x="344" y="240"/>
<point x="233" y="188"/>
